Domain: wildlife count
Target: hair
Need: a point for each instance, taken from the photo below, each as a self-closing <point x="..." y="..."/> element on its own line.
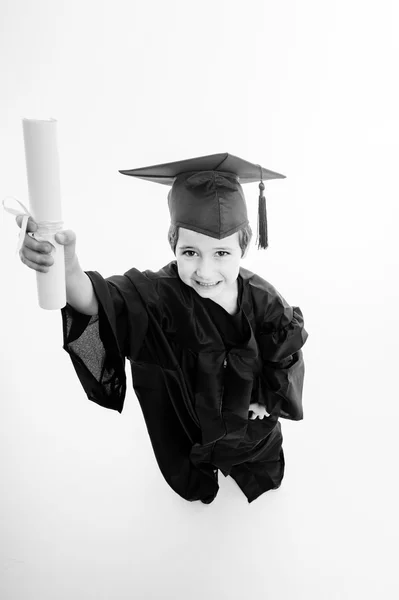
<point x="244" y="238"/>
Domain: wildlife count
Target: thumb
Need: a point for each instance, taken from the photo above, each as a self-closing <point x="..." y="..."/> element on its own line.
<point x="66" y="237"/>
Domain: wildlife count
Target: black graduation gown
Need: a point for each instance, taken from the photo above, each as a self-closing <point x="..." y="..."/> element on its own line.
<point x="193" y="376"/>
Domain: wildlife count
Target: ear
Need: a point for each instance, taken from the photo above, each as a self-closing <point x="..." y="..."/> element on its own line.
<point x="173" y="237"/>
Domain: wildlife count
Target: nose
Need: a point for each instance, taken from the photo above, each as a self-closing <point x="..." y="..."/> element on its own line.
<point x="204" y="270"/>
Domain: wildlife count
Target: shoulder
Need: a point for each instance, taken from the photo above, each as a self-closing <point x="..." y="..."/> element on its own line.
<point x="155" y="284"/>
<point x="135" y="285"/>
<point x="258" y="283"/>
<point x="160" y="291"/>
<point x="281" y="325"/>
<point x="169" y="271"/>
<point x="145" y="279"/>
<point x="268" y="304"/>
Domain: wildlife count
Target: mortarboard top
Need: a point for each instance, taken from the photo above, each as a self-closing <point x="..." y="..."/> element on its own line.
<point x="206" y="194"/>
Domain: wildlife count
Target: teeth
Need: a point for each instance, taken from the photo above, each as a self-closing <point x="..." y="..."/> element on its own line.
<point x="207" y="284"/>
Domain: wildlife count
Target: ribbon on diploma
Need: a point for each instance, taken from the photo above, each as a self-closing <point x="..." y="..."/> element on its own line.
<point x="44" y="228"/>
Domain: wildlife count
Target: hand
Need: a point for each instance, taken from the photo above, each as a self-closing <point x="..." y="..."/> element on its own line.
<point x="37" y="255"/>
<point x="258" y="410"/>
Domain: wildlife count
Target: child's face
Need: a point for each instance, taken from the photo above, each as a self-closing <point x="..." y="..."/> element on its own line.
<point x="208" y="265"/>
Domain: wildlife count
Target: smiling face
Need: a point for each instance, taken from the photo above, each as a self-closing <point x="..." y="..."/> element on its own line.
<point x="208" y="265"/>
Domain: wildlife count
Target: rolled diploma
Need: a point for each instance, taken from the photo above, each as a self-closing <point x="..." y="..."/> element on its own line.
<point x="42" y="165"/>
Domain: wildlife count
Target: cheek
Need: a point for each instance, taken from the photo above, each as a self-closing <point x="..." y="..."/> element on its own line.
<point x="183" y="269"/>
<point x="232" y="270"/>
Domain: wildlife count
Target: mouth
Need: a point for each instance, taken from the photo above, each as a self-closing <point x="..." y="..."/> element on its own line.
<point x="211" y="284"/>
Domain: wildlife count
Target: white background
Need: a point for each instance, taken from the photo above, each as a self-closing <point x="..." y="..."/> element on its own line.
<point x="305" y="88"/>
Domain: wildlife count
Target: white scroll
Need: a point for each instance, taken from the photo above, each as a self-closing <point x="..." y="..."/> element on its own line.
<point x="42" y="165"/>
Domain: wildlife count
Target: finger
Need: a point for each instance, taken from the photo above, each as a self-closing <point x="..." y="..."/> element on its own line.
<point x="31" y="225"/>
<point x="36" y="257"/>
<point x="33" y="265"/>
<point x="36" y="245"/>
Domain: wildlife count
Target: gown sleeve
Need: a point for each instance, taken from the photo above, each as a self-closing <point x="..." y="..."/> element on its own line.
<point x="98" y="345"/>
<point x="283" y="365"/>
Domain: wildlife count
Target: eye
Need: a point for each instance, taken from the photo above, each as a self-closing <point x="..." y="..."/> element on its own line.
<point x="188" y="253"/>
<point x="222" y="253"/>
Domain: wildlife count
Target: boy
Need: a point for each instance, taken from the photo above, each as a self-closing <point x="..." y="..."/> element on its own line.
<point x="215" y="351"/>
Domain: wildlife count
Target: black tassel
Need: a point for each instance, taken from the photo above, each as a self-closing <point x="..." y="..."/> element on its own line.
<point x="262" y="240"/>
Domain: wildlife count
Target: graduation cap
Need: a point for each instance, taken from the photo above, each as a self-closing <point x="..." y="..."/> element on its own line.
<point x="206" y="194"/>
